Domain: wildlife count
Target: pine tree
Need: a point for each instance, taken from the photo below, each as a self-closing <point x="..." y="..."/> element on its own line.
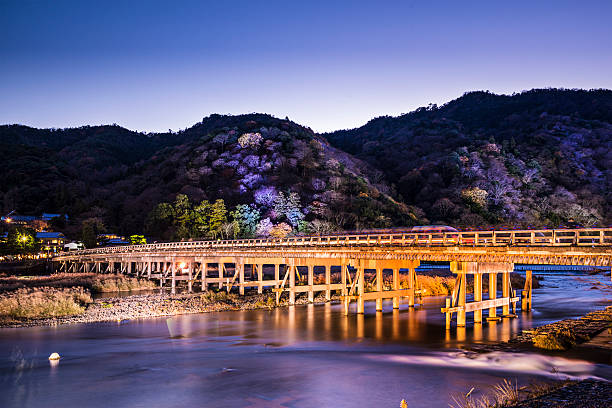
<point x="218" y="217"/>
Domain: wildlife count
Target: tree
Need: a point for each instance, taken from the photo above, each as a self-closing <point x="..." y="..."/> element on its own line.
<point x="252" y="140"/>
<point x="222" y="139"/>
<point x="443" y="207"/>
<point x="160" y="220"/>
<point x="202" y="214"/>
<point x="475" y="196"/>
<point x="20" y="241"/>
<point x="246" y="217"/>
<point x="230" y="229"/>
<point x="319" y="227"/>
<point x="263" y="228"/>
<point x="289" y="206"/>
<point x="58" y="223"/>
<point x="137" y="240"/>
<point x="183" y="217"/>
<point x="265" y="195"/>
<point x="90" y="229"/>
<point x="39" y="225"/>
<point x="280" y="230"/>
<point x="218" y="217"/>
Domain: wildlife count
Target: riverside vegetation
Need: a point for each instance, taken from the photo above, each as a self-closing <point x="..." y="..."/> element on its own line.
<point x="26" y="298"/>
<point x="562" y="393"/>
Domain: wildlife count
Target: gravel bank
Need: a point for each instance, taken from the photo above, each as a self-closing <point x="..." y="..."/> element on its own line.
<point x="157" y="305"/>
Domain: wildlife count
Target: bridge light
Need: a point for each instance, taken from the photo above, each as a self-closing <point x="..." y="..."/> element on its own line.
<point x="182" y="265"/>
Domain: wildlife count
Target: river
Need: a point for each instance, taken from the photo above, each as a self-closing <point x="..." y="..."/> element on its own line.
<point x="301" y="356"/>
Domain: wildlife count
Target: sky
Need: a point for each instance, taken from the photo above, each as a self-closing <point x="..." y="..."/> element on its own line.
<point x="156" y="65"/>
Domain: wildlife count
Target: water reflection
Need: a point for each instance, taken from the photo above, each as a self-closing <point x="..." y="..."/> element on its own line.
<point x="308" y="355"/>
<point x="422" y="325"/>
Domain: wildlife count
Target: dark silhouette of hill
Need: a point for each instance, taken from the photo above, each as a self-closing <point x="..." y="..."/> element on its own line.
<point x="538" y="158"/>
<point x="111" y="174"/>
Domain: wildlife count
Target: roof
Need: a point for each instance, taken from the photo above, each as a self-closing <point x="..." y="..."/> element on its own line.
<point x="20" y="218"/>
<point x="115" y="241"/>
<point x="56" y="235"/>
<point x="50" y="216"/>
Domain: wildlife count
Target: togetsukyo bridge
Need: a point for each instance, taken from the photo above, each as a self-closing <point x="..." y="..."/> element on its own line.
<point x="288" y="265"/>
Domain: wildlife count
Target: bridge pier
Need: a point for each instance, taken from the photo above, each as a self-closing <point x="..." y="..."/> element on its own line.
<point x="292" y="282"/>
<point x="458" y="301"/>
<point x="310" y="271"/>
<point x="526" y="293"/>
<point x="492" y="296"/>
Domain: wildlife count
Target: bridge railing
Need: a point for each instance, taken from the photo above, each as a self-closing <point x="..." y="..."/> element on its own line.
<point x="560" y="237"/>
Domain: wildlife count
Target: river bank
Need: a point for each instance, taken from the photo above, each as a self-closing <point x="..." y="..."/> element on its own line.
<point x="561" y="335"/>
<point x="581" y="394"/>
<point x="141" y="306"/>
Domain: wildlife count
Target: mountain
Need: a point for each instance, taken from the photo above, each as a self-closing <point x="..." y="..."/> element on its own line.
<point x="538" y="158"/>
<point x="119" y="177"/>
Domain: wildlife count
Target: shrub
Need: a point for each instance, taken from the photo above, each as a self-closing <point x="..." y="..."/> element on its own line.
<point x="43" y="303"/>
<point x="560" y="339"/>
<point x="92" y="281"/>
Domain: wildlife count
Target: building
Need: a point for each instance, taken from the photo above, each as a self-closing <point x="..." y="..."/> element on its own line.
<point x="73" y="246"/>
<point x="31" y="221"/>
<point x="49" y="216"/>
<point x="111" y="240"/>
<point x="51" y="241"/>
<point x="19" y="219"/>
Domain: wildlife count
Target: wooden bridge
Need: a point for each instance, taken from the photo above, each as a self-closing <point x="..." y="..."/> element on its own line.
<point x="304" y="264"/>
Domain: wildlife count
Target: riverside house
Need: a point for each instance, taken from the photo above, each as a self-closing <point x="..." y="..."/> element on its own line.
<point x="51" y="242"/>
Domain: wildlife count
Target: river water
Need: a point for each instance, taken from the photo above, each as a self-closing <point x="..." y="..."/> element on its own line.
<point x="301" y="356"/>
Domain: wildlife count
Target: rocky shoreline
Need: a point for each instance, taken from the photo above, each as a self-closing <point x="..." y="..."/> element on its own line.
<point x="581" y="394"/>
<point x="141" y="306"/>
<point x="560" y="335"/>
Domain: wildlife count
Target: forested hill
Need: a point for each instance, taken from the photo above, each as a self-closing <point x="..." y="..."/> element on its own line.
<point x="268" y="172"/>
<point x="539" y="158"/>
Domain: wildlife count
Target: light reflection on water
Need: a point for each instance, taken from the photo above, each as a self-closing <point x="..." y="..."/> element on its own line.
<point x="298" y="356"/>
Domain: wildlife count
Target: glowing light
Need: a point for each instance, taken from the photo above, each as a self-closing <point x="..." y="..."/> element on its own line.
<point x="9" y="220"/>
<point x="23" y="238"/>
<point x="182" y="265"/>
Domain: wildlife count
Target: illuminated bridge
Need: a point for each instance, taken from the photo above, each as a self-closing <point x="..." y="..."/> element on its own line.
<point x="304" y="264"/>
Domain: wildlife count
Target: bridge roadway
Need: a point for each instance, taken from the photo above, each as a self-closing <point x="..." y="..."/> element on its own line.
<point x="288" y="265"/>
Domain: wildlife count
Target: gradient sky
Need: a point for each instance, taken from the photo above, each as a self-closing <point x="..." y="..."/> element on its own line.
<point x="158" y="65"/>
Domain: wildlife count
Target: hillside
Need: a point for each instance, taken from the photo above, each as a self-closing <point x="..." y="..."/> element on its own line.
<point x="539" y="158"/>
<point x="117" y="180"/>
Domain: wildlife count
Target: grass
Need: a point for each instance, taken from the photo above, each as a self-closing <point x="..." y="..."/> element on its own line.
<point x="92" y="281"/>
<point x="558" y="339"/>
<point x="505" y="394"/>
<point x="218" y="297"/>
<point x="119" y="283"/>
<point x="43" y="302"/>
<point x="268" y="303"/>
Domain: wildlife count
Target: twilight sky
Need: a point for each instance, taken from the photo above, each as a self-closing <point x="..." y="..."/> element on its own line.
<point x="156" y="65"/>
